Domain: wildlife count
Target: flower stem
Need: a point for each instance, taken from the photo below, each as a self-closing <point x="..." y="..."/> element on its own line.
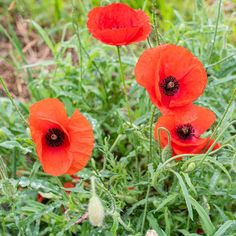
<point x="14" y="163"/>
<point x="151" y="133"/>
<point x="93" y="190"/>
<point x="215" y="32"/>
<point x="145" y="207"/>
<point x="221" y="120"/>
<point x="123" y="82"/>
<point x="149" y="159"/>
<point x="12" y="101"/>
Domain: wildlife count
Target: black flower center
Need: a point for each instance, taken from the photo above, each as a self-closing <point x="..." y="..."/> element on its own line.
<point x="185" y="131"/>
<point x="169" y="86"/>
<point x="54" y="137"/>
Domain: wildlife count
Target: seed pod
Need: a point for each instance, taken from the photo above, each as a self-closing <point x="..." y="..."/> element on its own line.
<point x="95" y="211"/>
<point x="151" y="232"/>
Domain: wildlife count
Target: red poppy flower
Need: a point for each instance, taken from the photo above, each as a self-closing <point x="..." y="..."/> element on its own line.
<point x="40" y="198"/>
<point x="172" y="76"/>
<point x="63" y="145"/>
<point x="118" y="24"/>
<point x="186" y="129"/>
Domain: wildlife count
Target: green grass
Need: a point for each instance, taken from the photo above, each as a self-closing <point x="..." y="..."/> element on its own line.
<point x="175" y="199"/>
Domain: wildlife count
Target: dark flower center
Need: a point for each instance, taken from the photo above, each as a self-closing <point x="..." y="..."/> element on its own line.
<point x="185" y="131"/>
<point x="169" y="86"/>
<point x="54" y="137"/>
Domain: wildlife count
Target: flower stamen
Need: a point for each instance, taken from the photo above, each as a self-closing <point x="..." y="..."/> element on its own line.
<point x="54" y="137"/>
<point x="169" y="86"/>
<point x="185" y="131"/>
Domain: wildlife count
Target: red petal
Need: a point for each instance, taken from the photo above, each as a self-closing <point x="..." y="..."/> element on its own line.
<point x="118" y="24"/>
<point x="205" y="118"/>
<point x="82" y="141"/>
<point x="50" y="109"/>
<point x="147" y="72"/>
<point x="191" y="87"/>
<point x="56" y="161"/>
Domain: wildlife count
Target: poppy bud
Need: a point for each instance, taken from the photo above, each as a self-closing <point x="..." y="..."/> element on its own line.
<point x="151" y="232"/>
<point x="190" y="167"/>
<point x="95" y="208"/>
<point x="95" y="211"/>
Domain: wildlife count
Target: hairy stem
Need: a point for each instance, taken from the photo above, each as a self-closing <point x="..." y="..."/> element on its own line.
<point x="123" y="82"/>
<point x="12" y="101"/>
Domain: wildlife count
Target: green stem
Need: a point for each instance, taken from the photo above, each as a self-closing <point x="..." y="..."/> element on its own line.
<point x="12" y="101"/>
<point x="145" y="207"/>
<point x="112" y="199"/>
<point x="225" y="113"/>
<point x="159" y="137"/>
<point x="115" y="142"/>
<point x="3" y="170"/>
<point x="14" y="163"/>
<point x="215" y="141"/>
<point x="81" y="49"/>
<point x="93" y="190"/>
<point x="155" y="26"/>
<point x="123" y="82"/>
<point x="151" y="134"/>
<point x="65" y="197"/>
<point x="215" y="32"/>
<point x="149" y="159"/>
<point x="221" y="120"/>
<point x="220" y="61"/>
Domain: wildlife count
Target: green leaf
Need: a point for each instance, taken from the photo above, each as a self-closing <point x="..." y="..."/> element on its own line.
<point x="217" y="163"/>
<point x="154" y="225"/>
<point x="185" y="194"/>
<point x="189" y="183"/>
<point x="207" y="225"/>
<point x="221" y="231"/>
<point x="14" y="144"/>
<point x="44" y="35"/>
<point x="164" y="202"/>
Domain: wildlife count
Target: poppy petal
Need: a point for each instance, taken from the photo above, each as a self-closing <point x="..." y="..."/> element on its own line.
<point x="50" y="109"/>
<point x="205" y="118"/>
<point x="147" y="71"/>
<point x="123" y="36"/>
<point x="56" y="161"/>
<point x="172" y="76"/>
<point x="191" y="86"/>
<point x="118" y="24"/>
<point x="82" y="141"/>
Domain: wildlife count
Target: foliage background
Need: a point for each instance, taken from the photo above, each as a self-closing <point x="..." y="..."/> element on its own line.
<point x="46" y="51"/>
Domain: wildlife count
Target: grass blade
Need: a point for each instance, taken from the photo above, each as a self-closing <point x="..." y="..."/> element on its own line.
<point x="221" y="231"/>
<point x="44" y="36"/>
<point x="185" y="194"/>
<point x="207" y="225"/>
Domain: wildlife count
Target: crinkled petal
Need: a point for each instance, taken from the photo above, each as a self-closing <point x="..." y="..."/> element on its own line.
<point x="82" y="141"/>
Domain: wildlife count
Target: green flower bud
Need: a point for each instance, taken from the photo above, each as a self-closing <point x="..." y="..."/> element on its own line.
<point x="190" y="167"/>
<point x="95" y="211"/>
